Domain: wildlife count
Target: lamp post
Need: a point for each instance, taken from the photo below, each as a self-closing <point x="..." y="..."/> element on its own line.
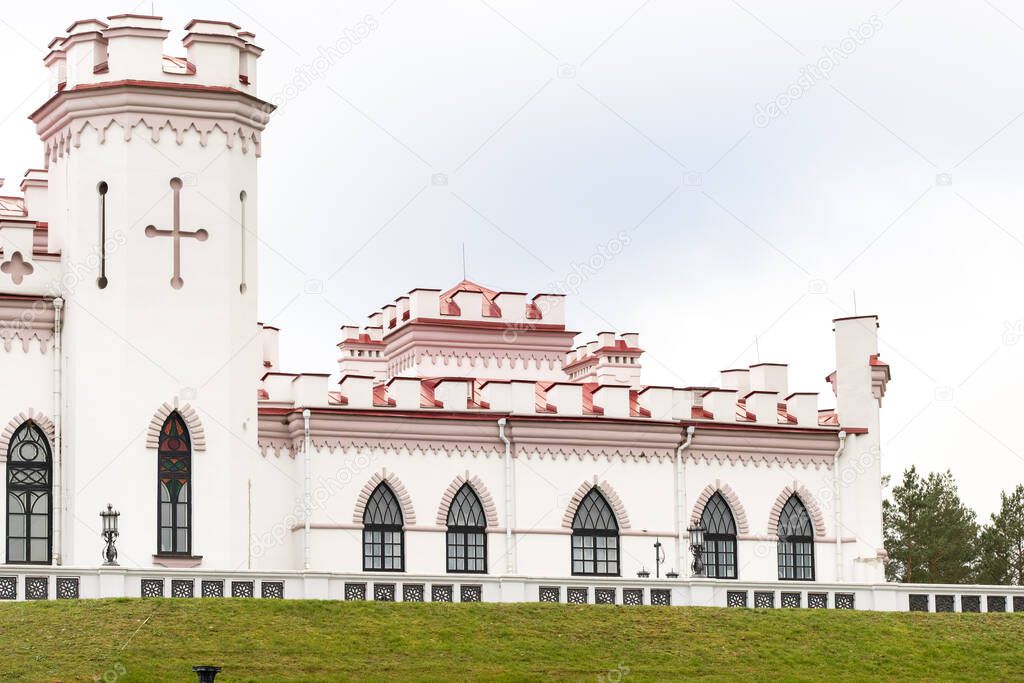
<point x="109" y="517"/>
<point x="697" y="549"/>
<point x="659" y="557"/>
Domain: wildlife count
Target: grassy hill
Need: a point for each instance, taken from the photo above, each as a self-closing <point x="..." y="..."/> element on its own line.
<point x="160" y="639"/>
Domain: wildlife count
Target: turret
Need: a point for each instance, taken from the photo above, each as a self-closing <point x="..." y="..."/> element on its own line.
<point x="151" y="199"/>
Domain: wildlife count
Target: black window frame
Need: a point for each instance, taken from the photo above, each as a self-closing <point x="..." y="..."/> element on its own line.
<point x="594" y="525"/>
<point x="796" y="541"/>
<point x="164" y="457"/>
<point x="478" y="531"/>
<point x="386" y="529"/>
<point x="719" y="536"/>
<point x="28" y="490"/>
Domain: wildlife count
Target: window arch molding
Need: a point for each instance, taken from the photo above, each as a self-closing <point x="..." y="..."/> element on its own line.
<point x="41" y="421"/>
<point x="605" y="490"/>
<point x="174" y="487"/>
<point x="738" y="513"/>
<point x="188" y="414"/>
<point x="477" y="484"/>
<point x="396" y="486"/>
<point x="809" y="502"/>
<point x="28" y="493"/>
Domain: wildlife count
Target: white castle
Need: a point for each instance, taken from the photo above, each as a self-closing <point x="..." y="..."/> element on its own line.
<point x="471" y="449"/>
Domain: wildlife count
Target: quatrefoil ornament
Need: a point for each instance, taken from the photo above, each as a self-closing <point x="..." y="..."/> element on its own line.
<point x="17" y="267"/>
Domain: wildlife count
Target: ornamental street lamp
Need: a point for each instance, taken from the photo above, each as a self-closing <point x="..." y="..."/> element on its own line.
<point x="697" y="548"/>
<point x="659" y="558"/>
<point x="109" y="517"/>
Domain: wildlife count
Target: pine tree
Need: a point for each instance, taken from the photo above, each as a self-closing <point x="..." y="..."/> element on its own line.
<point x="1002" y="542"/>
<point x="930" y="535"/>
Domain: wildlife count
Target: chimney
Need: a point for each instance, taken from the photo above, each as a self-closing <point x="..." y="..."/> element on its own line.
<point x="764" y="405"/>
<point x="770" y="377"/>
<point x="215" y="50"/>
<point x="722" y="404"/>
<point x="856" y="342"/>
<point x="738" y="379"/>
<point x="85" y="49"/>
<point x="135" y="47"/>
<point x="804" y="407"/>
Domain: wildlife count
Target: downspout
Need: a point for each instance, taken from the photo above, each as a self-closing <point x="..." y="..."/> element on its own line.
<point x="510" y="565"/>
<point x="681" y="498"/>
<point x="307" y="498"/>
<point x="58" y="441"/>
<point x="838" y="505"/>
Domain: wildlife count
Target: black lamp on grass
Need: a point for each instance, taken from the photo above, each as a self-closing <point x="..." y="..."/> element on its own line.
<point x="206" y="673"/>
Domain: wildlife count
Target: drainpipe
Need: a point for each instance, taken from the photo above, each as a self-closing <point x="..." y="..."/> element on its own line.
<point x="58" y="441"/>
<point x="838" y="506"/>
<point x="681" y="498"/>
<point x="307" y="498"/>
<point x="510" y="566"/>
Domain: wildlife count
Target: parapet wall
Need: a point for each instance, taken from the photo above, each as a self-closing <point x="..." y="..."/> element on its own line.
<point x="130" y="47"/>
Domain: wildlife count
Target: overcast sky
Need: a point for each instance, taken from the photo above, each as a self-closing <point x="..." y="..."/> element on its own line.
<point x="702" y="173"/>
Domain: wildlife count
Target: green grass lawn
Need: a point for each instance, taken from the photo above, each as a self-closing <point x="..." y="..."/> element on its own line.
<point x="160" y="640"/>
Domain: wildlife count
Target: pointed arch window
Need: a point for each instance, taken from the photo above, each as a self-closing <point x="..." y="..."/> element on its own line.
<point x="796" y="541"/>
<point x="383" y="538"/>
<point x="595" y="537"/>
<point x="467" y="533"/>
<point x="719" y="539"/>
<point x="29" y="496"/>
<point x="174" y="488"/>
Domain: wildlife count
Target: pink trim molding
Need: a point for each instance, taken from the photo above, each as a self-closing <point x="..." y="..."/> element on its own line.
<point x="738" y="513"/>
<point x="609" y="494"/>
<point x="188" y="413"/>
<point x="817" y="518"/>
<point x="29" y="414"/>
<point x="397" y="487"/>
<point x="481" y="491"/>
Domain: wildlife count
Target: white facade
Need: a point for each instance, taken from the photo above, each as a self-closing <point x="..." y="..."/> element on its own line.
<point x="100" y="346"/>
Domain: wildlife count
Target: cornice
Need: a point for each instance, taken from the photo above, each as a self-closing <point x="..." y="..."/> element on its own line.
<point x="457" y="434"/>
<point x="158" y="107"/>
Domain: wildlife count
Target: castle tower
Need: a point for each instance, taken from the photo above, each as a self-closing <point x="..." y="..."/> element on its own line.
<point x="151" y="165"/>
<point x="859" y="383"/>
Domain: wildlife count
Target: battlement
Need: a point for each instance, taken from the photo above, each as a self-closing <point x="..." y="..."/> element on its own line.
<point x="130" y="47"/>
<point x="471" y="303"/>
<point x="607" y="360"/>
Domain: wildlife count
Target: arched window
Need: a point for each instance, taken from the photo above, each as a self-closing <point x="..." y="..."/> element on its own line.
<point x="796" y="542"/>
<point x="467" y="533"/>
<point x="383" y="540"/>
<point x="595" y="537"/>
<point x="29" y="505"/>
<point x="719" y="539"/>
<point x="174" y="487"/>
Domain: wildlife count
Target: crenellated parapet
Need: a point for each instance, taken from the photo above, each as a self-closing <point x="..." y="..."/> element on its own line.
<point x="114" y="76"/>
<point x="467" y="350"/>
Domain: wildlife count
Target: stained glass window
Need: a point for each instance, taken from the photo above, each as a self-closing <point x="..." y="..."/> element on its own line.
<point x="719" y="539"/>
<point x="467" y="533"/>
<point x="383" y="538"/>
<point x="796" y="542"/>
<point x="29" y="503"/>
<point x="595" y="537"/>
<point x="174" y="487"/>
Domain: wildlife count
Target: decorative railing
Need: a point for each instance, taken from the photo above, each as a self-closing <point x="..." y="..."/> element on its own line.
<point x="22" y="582"/>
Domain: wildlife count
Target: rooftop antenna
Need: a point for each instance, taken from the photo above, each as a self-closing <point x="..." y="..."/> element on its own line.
<point x="463" y="260"/>
<point x="757" y="349"/>
<point x="855" y="302"/>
